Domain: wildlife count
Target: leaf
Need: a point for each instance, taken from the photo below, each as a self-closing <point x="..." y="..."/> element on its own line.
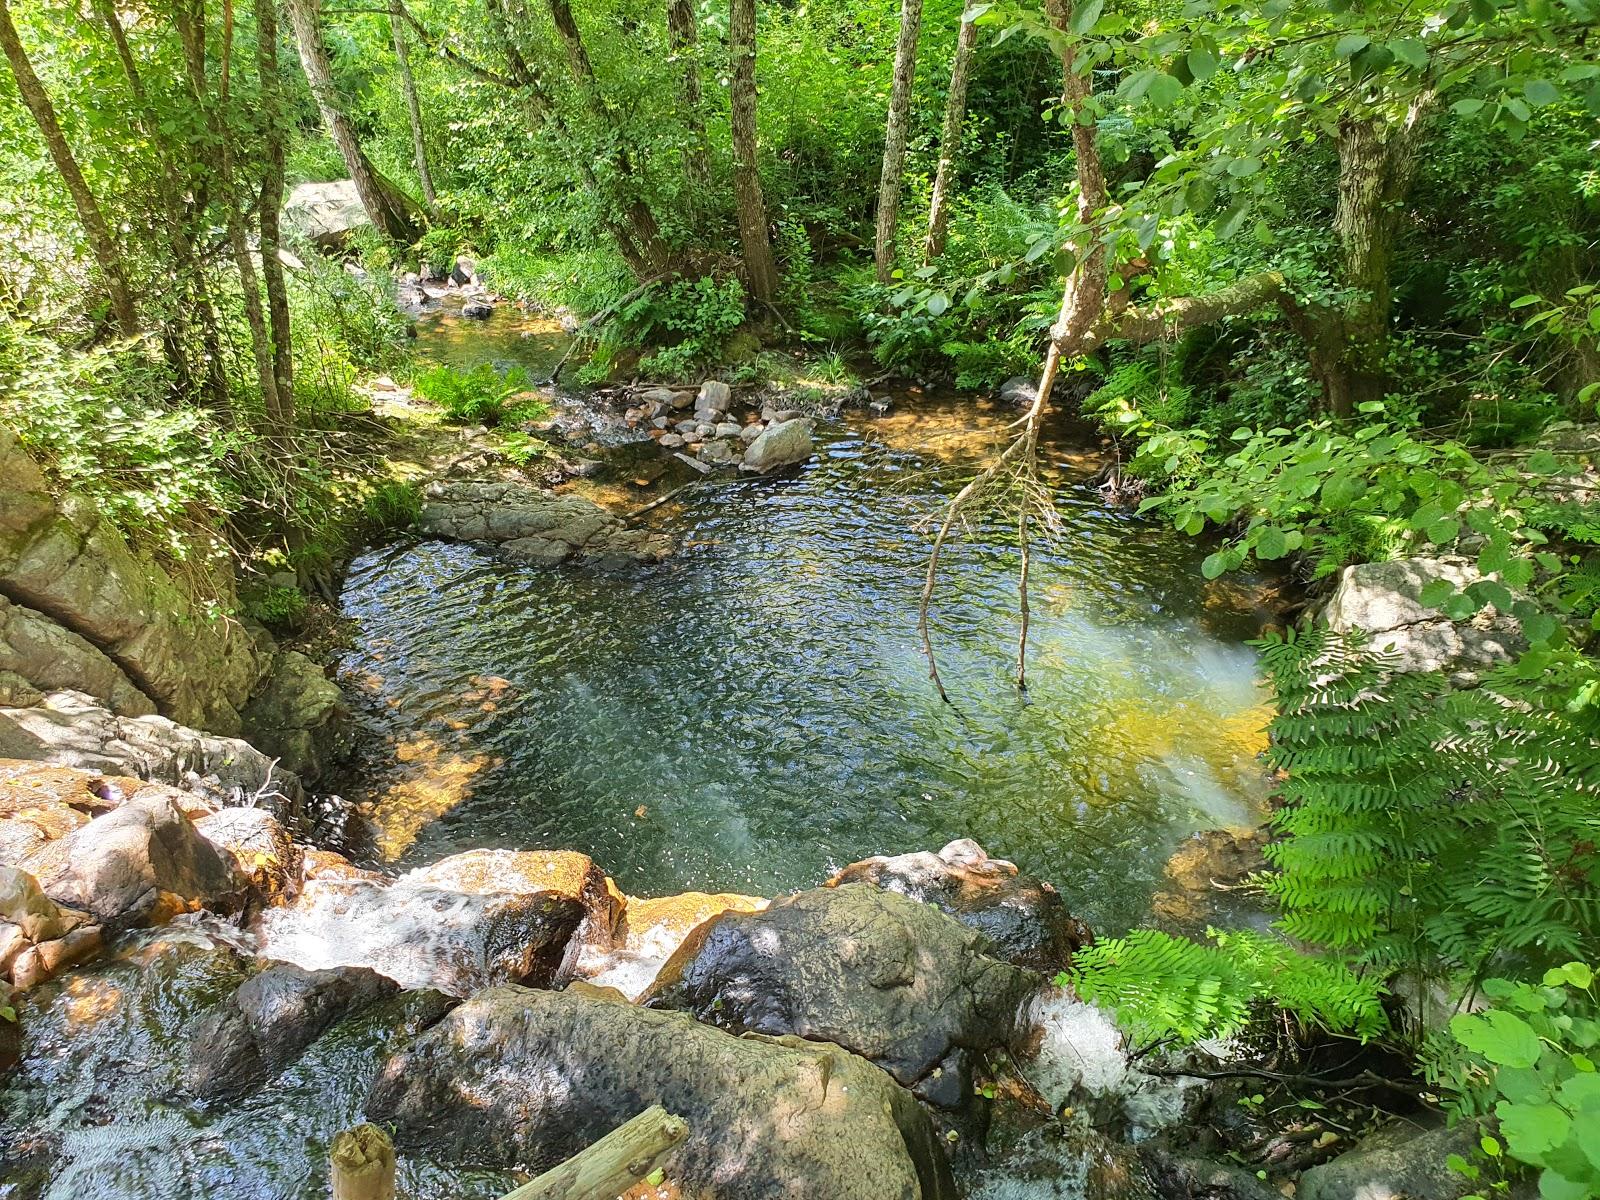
<point x="1443" y="531"/>
<point x="1498" y="1036"/>
<point x="1435" y="592"/>
<point x="1085" y="16"/>
<point x="1467" y="107"/>
<point x="1165" y="90"/>
<point x="1242" y="167"/>
<point x="1215" y="564"/>
<point x="1271" y="543"/>
<point x="938" y="303"/>
<point x="1532" y="1129"/>
<point x="1351" y="44"/>
<point x="1202" y="64"/>
<point x="1541" y="92"/>
<point x="1341" y="491"/>
<point x="1410" y="51"/>
<point x="1540" y="628"/>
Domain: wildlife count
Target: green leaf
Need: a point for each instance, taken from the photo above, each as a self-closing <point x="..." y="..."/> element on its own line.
<point x="1410" y="51"/>
<point x="1085" y="16"/>
<point x="1351" y="44"/>
<point x="1541" y="92"/>
<point x="1341" y="491"/>
<point x="1242" y="167"/>
<point x="1467" y="107"/>
<point x="1532" y="1129"/>
<point x="1202" y="64"/>
<point x="1500" y="1037"/>
<point x="1540" y="628"/>
<point x="1444" y="531"/>
<point x="938" y="303"/>
<point x="1271" y="543"/>
<point x="1435" y="592"/>
<point x="1215" y="564"/>
<point x="1164" y="91"/>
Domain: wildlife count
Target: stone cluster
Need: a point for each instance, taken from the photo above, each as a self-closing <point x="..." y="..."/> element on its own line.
<point x="702" y="428"/>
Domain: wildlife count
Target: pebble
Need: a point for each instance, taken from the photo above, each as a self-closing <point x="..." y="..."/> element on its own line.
<point x="671" y="441"/>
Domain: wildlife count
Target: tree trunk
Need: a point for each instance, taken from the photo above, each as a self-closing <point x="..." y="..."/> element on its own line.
<point x="955" y="114"/>
<point x="419" y="144"/>
<point x="270" y="211"/>
<point x="896" y="129"/>
<point x="388" y="217"/>
<point x="683" y="39"/>
<point x="103" y="246"/>
<point x="761" y="273"/>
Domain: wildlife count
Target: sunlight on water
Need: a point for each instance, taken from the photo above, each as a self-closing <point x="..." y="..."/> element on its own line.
<point x="757" y="710"/>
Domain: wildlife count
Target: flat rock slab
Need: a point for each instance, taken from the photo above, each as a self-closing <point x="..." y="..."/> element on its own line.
<point x="516" y="1076"/>
<point x="533" y="525"/>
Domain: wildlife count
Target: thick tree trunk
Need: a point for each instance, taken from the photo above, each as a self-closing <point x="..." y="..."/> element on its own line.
<point x="419" y="143"/>
<point x="650" y="254"/>
<point x="761" y="273"/>
<point x="955" y="115"/>
<point x="896" y="130"/>
<point x="683" y="40"/>
<point x="108" y="257"/>
<point x="389" y="217"/>
<point x="271" y="208"/>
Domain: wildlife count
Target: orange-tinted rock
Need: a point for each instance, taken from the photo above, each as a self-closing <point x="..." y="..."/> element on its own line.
<point x="564" y="873"/>
<point x="261" y="849"/>
<point x="658" y="926"/>
<point x="323" y="866"/>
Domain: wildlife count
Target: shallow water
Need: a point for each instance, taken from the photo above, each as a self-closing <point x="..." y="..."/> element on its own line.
<point x="757" y="711"/>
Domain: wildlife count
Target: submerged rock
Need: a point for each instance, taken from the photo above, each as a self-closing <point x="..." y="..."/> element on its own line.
<point x="781" y="444"/>
<point x="262" y="1028"/>
<point x="1384" y="600"/>
<point x="534" y="525"/>
<point x="1024" y="918"/>
<point x="477" y="310"/>
<point x="897" y="982"/>
<point x="529" y="1077"/>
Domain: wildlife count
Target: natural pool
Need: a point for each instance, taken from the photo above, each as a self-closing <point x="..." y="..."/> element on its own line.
<point x="757" y="710"/>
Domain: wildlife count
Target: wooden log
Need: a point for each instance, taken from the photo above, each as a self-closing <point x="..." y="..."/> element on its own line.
<point x="613" y="1164"/>
<point x="363" y="1164"/>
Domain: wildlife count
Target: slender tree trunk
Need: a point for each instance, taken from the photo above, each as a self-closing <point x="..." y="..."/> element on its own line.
<point x="761" y="273"/>
<point x="305" y="16"/>
<point x="955" y="115"/>
<point x="683" y="40"/>
<point x="270" y="211"/>
<point x="103" y="246"/>
<point x="419" y="144"/>
<point x="896" y="129"/>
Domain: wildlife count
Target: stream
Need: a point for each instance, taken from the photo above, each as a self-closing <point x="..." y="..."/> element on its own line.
<point x="747" y="716"/>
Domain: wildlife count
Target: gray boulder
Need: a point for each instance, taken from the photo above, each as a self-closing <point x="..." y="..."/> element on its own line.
<point x="1383" y="599"/>
<point x="298" y="716"/>
<point x="262" y="1028"/>
<point x="143" y="862"/>
<point x="897" y="982"/>
<point x="38" y="656"/>
<point x="714" y="396"/>
<point x="1024" y="918"/>
<point x="326" y="213"/>
<point x="1401" y="1161"/>
<point x="1019" y="391"/>
<point x="768" y="1119"/>
<point x="534" y="525"/>
<point x="781" y="444"/>
<point x="477" y="310"/>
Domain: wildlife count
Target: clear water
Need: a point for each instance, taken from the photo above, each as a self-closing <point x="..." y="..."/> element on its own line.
<point x="757" y="711"/>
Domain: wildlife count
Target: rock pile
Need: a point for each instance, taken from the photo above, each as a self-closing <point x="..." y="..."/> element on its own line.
<point x="701" y="426"/>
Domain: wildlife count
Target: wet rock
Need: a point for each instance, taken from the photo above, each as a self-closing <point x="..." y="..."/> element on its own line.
<point x="767" y="1118"/>
<point x="1399" y="1162"/>
<point x="262" y="1028"/>
<point x="464" y="271"/>
<point x="714" y="396"/>
<point x="648" y="932"/>
<point x="477" y="310"/>
<point x="751" y="432"/>
<point x="719" y="453"/>
<point x="70" y="729"/>
<point x="728" y="429"/>
<point x="1019" y="391"/>
<point x="1383" y="599"/>
<point x="138" y="864"/>
<point x="1023" y="918"/>
<point x="781" y="444"/>
<point x="39" y="803"/>
<point x="1179" y="1176"/>
<point x="560" y="873"/>
<point x="534" y="525"/>
<point x="424" y="930"/>
<point x="260" y="848"/>
<point x="895" y="981"/>
<point x="10" y="1031"/>
<point x="671" y="441"/>
<point x="298" y="716"/>
<point x="38" y="938"/>
<point x="326" y="214"/>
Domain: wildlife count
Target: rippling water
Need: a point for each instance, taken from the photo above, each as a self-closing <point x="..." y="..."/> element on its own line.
<point x="757" y="710"/>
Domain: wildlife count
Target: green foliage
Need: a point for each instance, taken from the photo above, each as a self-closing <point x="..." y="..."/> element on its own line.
<point x="275" y="607"/>
<point x="477" y="396"/>
<point x="1162" y="986"/>
<point x="392" y="505"/>
<point x="522" y="448"/>
<point x="695" y="318"/>
<point x="439" y="248"/>
<point x="1530" y="1060"/>
<point x="1142" y="386"/>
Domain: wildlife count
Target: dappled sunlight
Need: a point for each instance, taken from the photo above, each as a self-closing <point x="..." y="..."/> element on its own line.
<point x="436" y="779"/>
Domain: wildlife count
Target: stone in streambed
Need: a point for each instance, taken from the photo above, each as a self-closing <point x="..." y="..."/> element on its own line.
<point x="1024" y="918"/>
<point x="715" y="396"/>
<point x="769" y="1119"/>
<point x="780" y="445"/>
<point x="477" y="310"/>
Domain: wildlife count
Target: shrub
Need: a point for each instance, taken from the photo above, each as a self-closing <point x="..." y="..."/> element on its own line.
<point x="392" y="505"/>
<point x="476" y="396"/>
<point x="276" y="607"/>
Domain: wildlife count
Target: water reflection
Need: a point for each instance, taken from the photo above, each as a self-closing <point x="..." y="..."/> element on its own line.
<point x="757" y="710"/>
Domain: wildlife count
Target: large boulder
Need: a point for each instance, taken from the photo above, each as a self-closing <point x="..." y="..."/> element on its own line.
<point x="298" y="716"/>
<point x="529" y="1077"/>
<point x="650" y="931"/>
<point x="262" y="1028"/>
<point x="143" y="862"/>
<point x="435" y="928"/>
<point x="781" y="444"/>
<point x="38" y="938"/>
<point x="72" y="730"/>
<point x="897" y="982"/>
<point x="260" y="848"/>
<point x="1384" y="601"/>
<point x="38" y="656"/>
<point x="64" y="561"/>
<point x="326" y="214"/>
<point x="1024" y="918"/>
<point x="534" y="525"/>
<point x="1401" y="1161"/>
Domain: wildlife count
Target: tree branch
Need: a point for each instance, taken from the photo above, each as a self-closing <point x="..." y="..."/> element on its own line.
<point x="1164" y="318"/>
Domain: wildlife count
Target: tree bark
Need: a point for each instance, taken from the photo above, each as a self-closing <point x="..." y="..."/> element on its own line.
<point x="389" y="218"/>
<point x="896" y="129"/>
<point x="408" y="85"/>
<point x="683" y="40"/>
<point x="760" y="271"/>
<point x="107" y="255"/>
<point x="955" y="114"/>
<point x="270" y="210"/>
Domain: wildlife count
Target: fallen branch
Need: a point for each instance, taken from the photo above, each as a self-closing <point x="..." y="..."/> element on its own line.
<point x="612" y="1165"/>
